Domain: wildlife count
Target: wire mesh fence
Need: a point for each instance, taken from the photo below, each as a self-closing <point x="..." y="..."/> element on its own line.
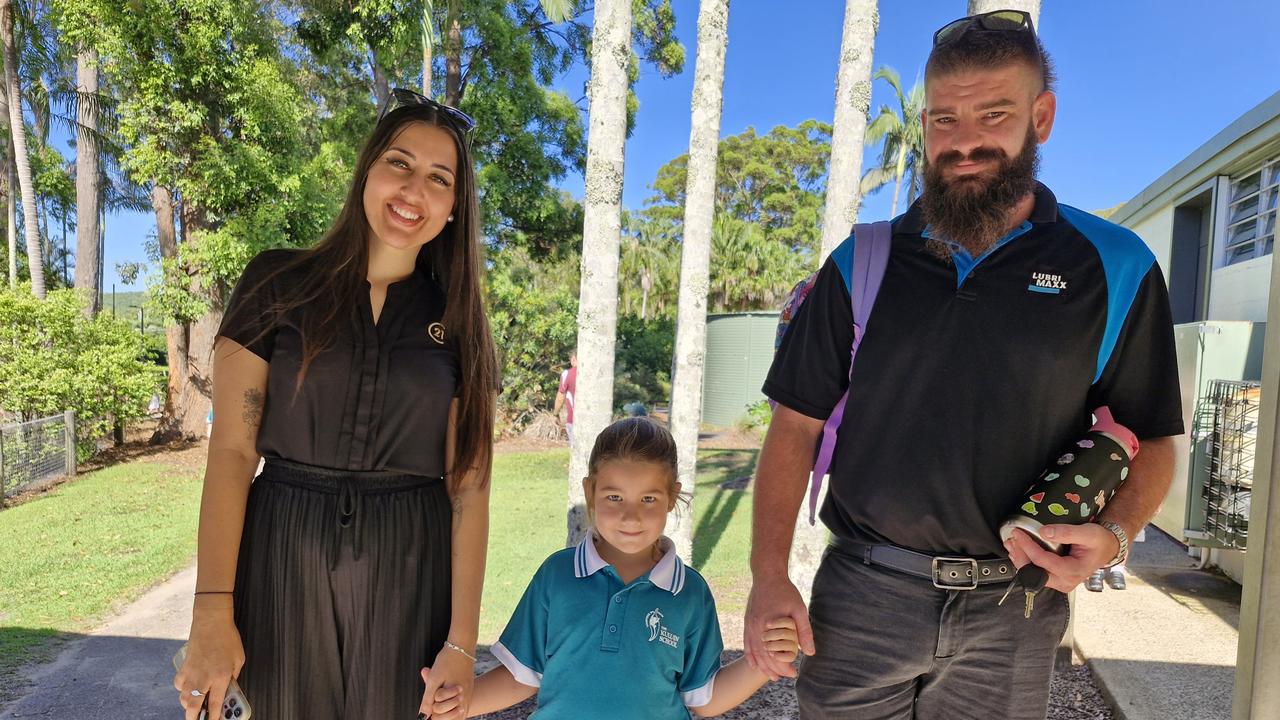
<point x="1228" y="489"/>
<point x="35" y="452"/>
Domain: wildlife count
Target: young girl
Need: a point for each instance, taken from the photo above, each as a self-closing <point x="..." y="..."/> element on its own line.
<point x="618" y="626"/>
<point x="362" y="370"/>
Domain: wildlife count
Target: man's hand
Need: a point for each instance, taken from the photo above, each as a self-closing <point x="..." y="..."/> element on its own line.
<point x="773" y="598"/>
<point x="1091" y="546"/>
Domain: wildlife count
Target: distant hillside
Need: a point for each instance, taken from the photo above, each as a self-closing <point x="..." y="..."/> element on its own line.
<point x="125" y="306"/>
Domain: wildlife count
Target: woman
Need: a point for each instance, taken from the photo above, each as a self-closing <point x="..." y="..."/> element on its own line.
<point x="362" y="371"/>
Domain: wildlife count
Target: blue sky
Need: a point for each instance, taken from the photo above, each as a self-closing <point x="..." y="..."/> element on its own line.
<point x="1142" y="83"/>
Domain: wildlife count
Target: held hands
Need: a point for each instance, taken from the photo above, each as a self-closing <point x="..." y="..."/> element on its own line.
<point x="774" y="600"/>
<point x="448" y="686"/>
<point x="781" y="640"/>
<point x="1091" y="546"/>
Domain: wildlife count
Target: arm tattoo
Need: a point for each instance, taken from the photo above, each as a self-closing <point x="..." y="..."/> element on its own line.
<point x="253" y="405"/>
<point x="457" y="506"/>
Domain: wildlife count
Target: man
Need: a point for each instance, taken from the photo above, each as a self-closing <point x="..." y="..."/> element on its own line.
<point x="1003" y="320"/>
<point x="564" y="395"/>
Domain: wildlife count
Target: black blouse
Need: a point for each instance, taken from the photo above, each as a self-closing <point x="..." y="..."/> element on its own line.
<point x="376" y="399"/>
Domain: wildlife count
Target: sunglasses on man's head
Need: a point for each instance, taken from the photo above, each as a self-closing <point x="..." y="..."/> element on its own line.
<point x="999" y="21"/>
<point x="400" y="98"/>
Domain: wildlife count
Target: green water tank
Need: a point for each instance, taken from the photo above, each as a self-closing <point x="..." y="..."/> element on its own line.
<point x="739" y="352"/>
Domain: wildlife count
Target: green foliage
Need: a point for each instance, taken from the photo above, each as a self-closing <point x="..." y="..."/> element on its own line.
<point x="642" y="371"/>
<point x="757" y="418"/>
<point x="53" y="359"/>
<point x="535" y="325"/>
<point x="776" y="182"/>
<point x="748" y="271"/>
<point x="209" y="108"/>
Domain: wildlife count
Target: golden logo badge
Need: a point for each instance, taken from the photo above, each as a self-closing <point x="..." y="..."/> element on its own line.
<point x="436" y="331"/>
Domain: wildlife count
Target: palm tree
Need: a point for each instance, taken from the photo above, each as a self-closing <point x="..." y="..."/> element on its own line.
<point x="649" y="261"/>
<point x="977" y="7"/>
<point x="88" y="179"/>
<point x="17" y="130"/>
<point x="853" y="99"/>
<point x="601" y="230"/>
<point x="695" y="258"/>
<point x="903" y="136"/>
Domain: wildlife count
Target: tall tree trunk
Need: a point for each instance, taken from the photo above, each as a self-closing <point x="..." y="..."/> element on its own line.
<point x="453" y="60"/>
<point x="381" y="85"/>
<point x="977" y="7"/>
<point x="853" y="99"/>
<point x="189" y="343"/>
<point x="88" y="180"/>
<point x="695" y="257"/>
<point x="30" y="223"/>
<point x="175" y="332"/>
<point x="897" y="178"/>
<point x="427" y="46"/>
<point x="601" y="234"/>
<point x="11" y="224"/>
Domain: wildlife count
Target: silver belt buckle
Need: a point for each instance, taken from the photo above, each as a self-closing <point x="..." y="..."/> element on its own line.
<point x="937" y="573"/>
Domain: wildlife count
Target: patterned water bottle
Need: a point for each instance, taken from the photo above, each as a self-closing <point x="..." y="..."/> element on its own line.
<point x="1078" y="485"/>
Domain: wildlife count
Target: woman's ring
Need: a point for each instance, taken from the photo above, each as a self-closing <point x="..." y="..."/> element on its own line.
<point x="196" y="693"/>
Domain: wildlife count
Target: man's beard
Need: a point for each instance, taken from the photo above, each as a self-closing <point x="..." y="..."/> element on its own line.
<point x="973" y="210"/>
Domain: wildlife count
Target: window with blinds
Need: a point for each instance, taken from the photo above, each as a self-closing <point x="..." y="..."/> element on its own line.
<point x="1251" y="213"/>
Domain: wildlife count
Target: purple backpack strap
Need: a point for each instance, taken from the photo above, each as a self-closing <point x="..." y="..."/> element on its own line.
<point x="870" y="258"/>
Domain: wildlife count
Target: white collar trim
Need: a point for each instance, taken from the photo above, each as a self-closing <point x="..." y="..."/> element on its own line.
<point x="668" y="574"/>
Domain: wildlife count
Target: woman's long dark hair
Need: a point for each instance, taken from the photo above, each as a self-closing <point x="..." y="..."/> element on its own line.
<point x="333" y="274"/>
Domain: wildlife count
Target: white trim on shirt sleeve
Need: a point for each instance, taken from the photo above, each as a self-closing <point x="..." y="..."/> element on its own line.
<point x="699" y="697"/>
<point x="521" y="672"/>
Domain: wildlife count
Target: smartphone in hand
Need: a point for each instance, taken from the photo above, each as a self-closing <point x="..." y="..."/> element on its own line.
<point x="234" y="706"/>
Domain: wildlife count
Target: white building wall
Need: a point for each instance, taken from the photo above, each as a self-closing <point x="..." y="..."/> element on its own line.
<point x="1239" y="292"/>
<point x="1157" y="232"/>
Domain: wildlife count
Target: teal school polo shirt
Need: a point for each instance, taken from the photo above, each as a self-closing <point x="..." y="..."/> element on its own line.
<point x="597" y="648"/>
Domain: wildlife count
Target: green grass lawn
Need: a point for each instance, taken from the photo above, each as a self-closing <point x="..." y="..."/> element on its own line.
<point x="71" y="557"/>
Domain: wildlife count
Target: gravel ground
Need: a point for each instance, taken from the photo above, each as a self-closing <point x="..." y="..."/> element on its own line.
<point x="1072" y="696"/>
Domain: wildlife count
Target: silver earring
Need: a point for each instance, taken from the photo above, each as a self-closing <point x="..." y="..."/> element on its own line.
<point x="450" y="218"/>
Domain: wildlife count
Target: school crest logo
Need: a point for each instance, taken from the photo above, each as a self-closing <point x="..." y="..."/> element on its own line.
<point x="436" y="332"/>
<point x="658" y="631"/>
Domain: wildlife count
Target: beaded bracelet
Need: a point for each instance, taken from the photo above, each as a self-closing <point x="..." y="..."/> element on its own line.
<point x="456" y="648"/>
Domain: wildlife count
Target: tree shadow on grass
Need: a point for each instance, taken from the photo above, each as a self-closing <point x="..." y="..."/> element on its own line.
<point x="726" y="466"/>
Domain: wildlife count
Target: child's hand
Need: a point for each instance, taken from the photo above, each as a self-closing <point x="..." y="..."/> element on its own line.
<point x="447" y="702"/>
<point x="781" y="639"/>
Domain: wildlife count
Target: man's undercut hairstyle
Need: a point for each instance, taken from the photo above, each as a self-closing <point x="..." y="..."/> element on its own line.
<point x="976" y="48"/>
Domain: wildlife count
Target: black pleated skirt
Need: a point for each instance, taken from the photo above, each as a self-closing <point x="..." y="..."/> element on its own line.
<point x="342" y="591"/>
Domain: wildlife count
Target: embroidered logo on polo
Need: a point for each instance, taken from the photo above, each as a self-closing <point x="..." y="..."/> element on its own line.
<point x="1047" y="283"/>
<point x="658" y="631"/>
<point x="436" y="331"/>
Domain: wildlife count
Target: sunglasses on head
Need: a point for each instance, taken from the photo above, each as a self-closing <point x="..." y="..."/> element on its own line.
<point x="400" y="98"/>
<point x="998" y="21"/>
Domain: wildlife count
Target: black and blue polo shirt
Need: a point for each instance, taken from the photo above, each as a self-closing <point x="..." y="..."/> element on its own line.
<point x="973" y="374"/>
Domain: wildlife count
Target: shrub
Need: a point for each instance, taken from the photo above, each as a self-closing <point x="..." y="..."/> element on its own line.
<point x="53" y="358"/>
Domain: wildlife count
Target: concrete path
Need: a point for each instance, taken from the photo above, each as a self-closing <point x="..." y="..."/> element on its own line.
<point x="123" y="671"/>
<point x="1165" y="648"/>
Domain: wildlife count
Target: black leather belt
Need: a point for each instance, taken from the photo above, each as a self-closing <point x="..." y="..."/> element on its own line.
<point x="946" y="572"/>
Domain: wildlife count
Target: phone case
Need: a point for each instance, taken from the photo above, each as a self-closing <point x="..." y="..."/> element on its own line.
<point x="234" y="704"/>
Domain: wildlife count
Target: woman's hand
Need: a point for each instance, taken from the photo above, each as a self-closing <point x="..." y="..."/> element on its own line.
<point x="452" y="675"/>
<point x="214" y="656"/>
